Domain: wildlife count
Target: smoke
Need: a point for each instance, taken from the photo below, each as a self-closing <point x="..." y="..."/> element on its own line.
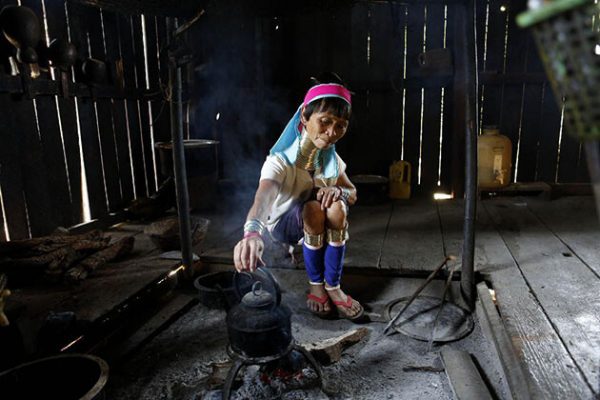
<point x="233" y="99"/>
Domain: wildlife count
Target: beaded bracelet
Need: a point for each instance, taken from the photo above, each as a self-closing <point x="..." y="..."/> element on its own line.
<point x="254" y="225"/>
<point x="248" y="235"/>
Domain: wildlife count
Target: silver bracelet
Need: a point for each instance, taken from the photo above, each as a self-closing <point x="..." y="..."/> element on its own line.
<point x="345" y="193"/>
<point x="254" y="225"/>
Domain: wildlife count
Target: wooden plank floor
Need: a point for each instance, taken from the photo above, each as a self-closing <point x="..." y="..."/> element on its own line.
<point x="565" y="288"/>
<point x="540" y="256"/>
<point x="414" y="237"/>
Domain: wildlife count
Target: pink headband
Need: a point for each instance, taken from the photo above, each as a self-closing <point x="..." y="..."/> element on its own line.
<point x="327" y="90"/>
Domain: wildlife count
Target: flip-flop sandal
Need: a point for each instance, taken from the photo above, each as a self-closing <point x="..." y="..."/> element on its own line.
<point x="321" y="300"/>
<point x="348" y="304"/>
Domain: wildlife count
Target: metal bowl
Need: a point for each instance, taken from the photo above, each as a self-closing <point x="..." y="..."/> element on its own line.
<point x="66" y="377"/>
<point x="371" y="189"/>
<point x="216" y="289"/>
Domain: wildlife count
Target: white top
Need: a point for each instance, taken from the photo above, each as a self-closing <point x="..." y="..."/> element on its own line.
<point x="296" y="184"/>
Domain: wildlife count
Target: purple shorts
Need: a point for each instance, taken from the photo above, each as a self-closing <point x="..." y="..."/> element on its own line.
<point x="290" y="227"/>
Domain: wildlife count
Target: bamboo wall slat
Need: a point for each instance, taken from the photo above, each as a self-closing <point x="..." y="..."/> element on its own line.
<point x="413" y="102"/>
<point x="49" y="130"/>
<point x="58" y="29"/>
<point x="88" y="123"/>
<point x="432" y="105"/>
<point x="160" y="108"/>
<point x="103" y="111"/>
<point x="142" y="105"/>
<point x="447" y="133"/>
<point x="132" y="112"/>
<point x="117" y="109"/>
<point x="384" y="106"/>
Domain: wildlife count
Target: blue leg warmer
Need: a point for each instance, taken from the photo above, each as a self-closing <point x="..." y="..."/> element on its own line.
<point x="334" y="261"/>
<point x="313" y="262"/>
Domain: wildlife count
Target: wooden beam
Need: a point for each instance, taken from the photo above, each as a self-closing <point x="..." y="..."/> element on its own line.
<point x="493" y="328"/>
<point x="465" y="380"/>
<point x="46" y="87"/>
<point x="495" y="78"/>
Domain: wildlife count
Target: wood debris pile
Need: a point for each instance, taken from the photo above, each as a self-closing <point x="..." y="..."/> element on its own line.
<point x="62" y="256"/>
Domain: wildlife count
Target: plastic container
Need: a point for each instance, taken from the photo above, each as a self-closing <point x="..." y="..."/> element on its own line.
<point x="494" y="159"/>
<point x="400" y="175"/>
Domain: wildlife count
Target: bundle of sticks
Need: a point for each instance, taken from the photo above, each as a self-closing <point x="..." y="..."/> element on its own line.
<point x="61" y="255"/>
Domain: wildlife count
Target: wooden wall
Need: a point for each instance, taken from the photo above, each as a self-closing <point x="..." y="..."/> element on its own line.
<point x="401" y="110"/>
<point x="374" y="44"/>
<point x="516" y="96"/>
<point x="65" y="159"/>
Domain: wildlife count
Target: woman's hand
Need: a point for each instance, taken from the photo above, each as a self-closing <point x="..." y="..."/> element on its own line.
<point x="328" y="195"/>
<point x="248" y="253"/>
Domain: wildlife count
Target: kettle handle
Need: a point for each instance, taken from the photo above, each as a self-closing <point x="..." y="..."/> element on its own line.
<point x="236" y="283"/>
<point x="265" y="272"/>
<point x="269" y="275"/>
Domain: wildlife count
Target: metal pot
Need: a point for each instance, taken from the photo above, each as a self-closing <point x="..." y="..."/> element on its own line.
<point x="260" y="326"/>
<point x="201" y="168"/>
<point x="371" y="189"/>
<point x="215" y="289"/>
<point x="65" y="376"/>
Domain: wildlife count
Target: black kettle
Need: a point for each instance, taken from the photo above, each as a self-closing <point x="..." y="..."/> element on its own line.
<point x="259" y="326"/>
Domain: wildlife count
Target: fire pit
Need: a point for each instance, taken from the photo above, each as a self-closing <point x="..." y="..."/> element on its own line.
<point x="259" y="330"/>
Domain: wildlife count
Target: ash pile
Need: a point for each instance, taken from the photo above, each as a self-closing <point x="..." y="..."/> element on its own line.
<point x="288" y="378"/>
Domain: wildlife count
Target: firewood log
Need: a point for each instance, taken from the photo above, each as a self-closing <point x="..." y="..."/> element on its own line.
<point x="43" y="244"/>
<point x="75" y="274"/>
<point x="63" y="263"/>
<point x="116" y="250"/>
<point x="330" y="350"/>
<point x="57" y="255"/>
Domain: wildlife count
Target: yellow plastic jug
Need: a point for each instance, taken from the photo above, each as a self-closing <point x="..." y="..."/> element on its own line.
<point x="400" y="172"/>
<point x="494" y="159"/>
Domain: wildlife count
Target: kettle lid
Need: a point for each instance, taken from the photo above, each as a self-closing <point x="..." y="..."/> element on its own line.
<point x="257" y="297"/>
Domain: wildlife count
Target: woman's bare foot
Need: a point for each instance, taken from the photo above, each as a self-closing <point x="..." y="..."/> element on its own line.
<point x="346" y="305"/>
<point x="318" y="301"/>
